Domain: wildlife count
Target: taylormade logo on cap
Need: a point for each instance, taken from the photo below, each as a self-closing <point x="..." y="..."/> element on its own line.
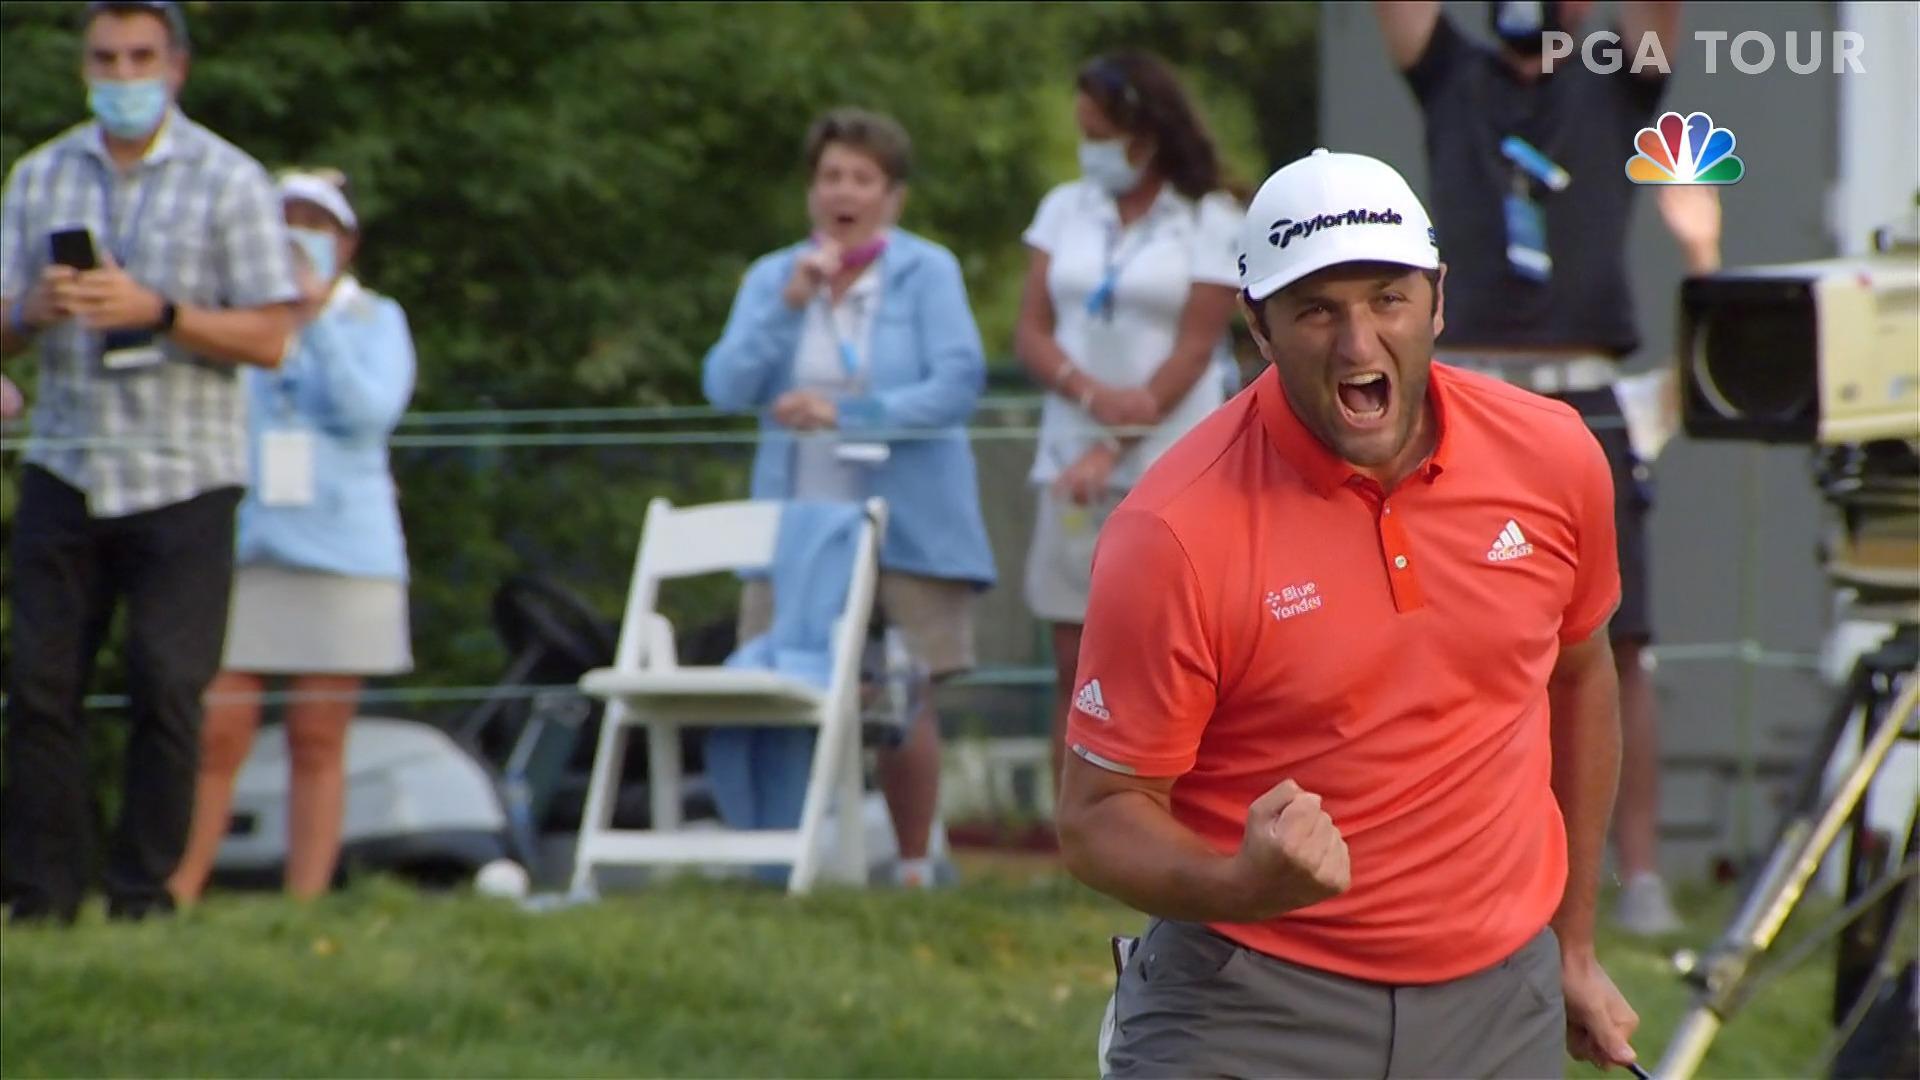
<point x="1326" y="209"/>
<point x="1286" y="229"/>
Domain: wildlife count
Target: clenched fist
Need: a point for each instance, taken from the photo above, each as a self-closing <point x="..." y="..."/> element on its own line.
<point x="1292" y="854"/>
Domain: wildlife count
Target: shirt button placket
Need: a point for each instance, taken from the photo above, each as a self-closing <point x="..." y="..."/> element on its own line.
<point x="1401" y="578"/>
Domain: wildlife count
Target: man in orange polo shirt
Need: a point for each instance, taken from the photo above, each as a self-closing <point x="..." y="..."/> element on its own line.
<point x="1347" y="726"/>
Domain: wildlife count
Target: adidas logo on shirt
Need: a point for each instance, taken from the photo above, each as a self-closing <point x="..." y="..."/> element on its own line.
<point x="1510" y="544"/>
<point x="1090" y="702"/>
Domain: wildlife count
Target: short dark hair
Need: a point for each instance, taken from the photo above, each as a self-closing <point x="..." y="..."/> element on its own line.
<point x="876" y="135"/>
<point x="165" y="10"/>
<point x="1140" y="93"/>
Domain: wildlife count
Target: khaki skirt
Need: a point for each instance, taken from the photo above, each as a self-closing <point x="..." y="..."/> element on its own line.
<point x="1060" y="560"/>
<point x="302" y="622"/>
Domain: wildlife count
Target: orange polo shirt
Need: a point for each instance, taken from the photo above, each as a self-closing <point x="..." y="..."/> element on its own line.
<point x="1262" y="612"/>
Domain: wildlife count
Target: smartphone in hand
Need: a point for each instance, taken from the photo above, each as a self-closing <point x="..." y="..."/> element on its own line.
<point x="73" y="247"/>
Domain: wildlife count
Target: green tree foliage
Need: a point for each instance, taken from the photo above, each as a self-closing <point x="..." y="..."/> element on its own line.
<point x="563" y="197"/>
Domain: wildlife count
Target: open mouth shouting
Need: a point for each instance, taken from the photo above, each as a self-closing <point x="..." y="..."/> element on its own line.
<point x="1366" y="399"/>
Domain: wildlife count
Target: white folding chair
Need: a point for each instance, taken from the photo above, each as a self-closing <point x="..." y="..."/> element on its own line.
<point x="646" y="687"/>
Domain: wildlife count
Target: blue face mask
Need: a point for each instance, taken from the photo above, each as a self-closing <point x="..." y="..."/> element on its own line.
<point x="128" y="110"/>
<point x="320" y="248"/>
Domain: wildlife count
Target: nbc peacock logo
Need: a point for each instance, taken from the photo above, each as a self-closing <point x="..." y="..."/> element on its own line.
<point x="1684" y="150"/>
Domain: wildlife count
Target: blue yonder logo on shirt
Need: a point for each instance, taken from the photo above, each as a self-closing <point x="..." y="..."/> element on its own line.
<point x="1284" y="230"/>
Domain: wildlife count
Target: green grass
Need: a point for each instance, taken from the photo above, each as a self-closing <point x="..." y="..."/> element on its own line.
<point x="1005" y="976"/>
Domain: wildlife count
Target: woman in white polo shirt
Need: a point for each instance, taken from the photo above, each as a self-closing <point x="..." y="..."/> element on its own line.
<point x="1123" y="320"/>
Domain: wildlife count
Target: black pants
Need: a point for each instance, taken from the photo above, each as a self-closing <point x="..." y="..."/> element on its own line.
<point x="1632" y="501"/>
<point x="174" y="567"/>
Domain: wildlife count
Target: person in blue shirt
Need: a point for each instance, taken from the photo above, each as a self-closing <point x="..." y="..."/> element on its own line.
<point x="858" y="349"/>
<point x="320" y="594"/>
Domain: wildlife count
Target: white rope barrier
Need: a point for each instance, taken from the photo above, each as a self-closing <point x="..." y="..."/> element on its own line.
<point x="1751" y="653"/>
<point x="405" y="439"/>
<point x="409" y="435"/>
<point x="634" y="414"/>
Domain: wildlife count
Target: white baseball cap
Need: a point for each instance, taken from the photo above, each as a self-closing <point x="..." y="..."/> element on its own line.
<point x="1326" y="209"/>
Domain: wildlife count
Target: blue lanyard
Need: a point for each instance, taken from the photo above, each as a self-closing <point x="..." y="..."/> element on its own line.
<point x="1534" y="163"/>
<point x="286" y="398"/>
<point x="1100" y="300"/>
<point x="849" y="356"/>
<point x="284" y="383"/>
<point x="119" y="243"/>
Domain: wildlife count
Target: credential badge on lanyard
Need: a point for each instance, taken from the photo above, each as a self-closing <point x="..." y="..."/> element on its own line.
<point x="843" y="337"/>
<point x="1114" y="260"/>
<point x="126" y="350"/>
<point x="867" y="452"/>
<point x="286" y="452"/>
<point x="1526" y="221"/>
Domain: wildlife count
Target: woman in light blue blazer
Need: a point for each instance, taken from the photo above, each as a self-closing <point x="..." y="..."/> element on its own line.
<point x="858" y="349"/>
<point x="320" y="594"/>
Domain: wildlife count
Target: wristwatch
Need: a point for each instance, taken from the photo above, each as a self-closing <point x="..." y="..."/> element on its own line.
<point x="168" y="312"/>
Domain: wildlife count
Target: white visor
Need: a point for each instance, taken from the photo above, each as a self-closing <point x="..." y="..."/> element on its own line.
<point x="309" y="188"/>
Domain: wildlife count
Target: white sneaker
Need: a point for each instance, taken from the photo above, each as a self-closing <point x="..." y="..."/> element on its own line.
<point x="1644" y="909"/>
<point x="914" y="874"/>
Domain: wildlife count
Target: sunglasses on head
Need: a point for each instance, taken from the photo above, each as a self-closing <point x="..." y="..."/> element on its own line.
<point x="1112" y="78"/>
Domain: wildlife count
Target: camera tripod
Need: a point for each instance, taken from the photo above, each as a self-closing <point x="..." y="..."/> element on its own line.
<point x="1884" y="690"/>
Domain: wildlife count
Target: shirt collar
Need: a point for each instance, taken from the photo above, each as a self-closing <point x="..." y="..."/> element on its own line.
<point x="868" y="283"/>
<point x="346" y="289"/>
<point x="860" y="295"/>
<point x="1325" y="471"/>
<point x="1166" y="201"/>
<point x="175" y="139"/>
<point x="896" y="258"/>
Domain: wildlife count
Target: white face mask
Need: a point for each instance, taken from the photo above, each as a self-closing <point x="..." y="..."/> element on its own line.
<point x="1104" y="162"/>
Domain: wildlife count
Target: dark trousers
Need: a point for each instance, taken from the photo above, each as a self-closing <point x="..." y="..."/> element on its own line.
<point x="1632" y="506"/>
<point x="174" y="567"/>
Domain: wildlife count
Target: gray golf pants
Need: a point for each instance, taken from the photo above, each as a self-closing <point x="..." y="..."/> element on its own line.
<point x="1190" y="1003"/>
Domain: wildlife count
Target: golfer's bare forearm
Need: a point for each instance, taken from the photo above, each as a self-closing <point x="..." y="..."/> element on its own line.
<point x="1586" y="769"/>
<point x="1129" y="847"/>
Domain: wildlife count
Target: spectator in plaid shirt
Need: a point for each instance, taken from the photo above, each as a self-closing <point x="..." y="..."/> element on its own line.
<point x="137" y="456"/>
